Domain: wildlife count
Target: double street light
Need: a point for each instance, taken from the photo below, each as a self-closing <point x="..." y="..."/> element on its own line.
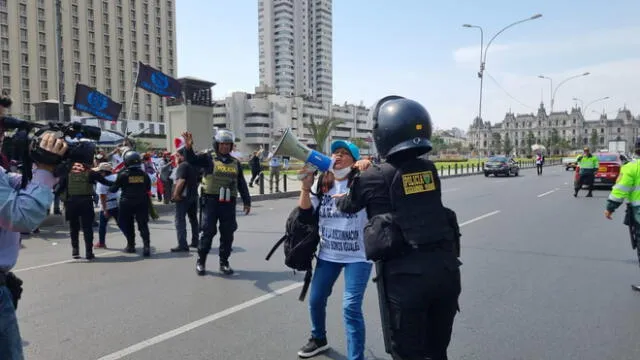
<point x="483" y="51"/>
<point x="584" y="108"/>
<point x="552" y="91"/>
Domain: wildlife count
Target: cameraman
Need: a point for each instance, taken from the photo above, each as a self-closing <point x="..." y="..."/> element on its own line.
<point x="21" y="210"/>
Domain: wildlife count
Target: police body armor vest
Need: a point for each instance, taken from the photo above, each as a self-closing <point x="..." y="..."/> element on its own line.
<point x="418" y="209"/>
<point x="78" y="184"/>
<point x="224" y="175"/>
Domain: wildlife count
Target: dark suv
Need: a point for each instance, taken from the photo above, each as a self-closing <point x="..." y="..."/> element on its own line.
<point x="501" y="165"/>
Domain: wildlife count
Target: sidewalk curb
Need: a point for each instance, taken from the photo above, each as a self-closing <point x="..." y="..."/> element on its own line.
<point x="57" y="220"/>
<point x="161" y="208"/>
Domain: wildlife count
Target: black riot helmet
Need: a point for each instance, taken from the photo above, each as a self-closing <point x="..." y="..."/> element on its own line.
<point x="401" y="128"/>
<point x="223" y="136"/>
<point x="132" y="159"/>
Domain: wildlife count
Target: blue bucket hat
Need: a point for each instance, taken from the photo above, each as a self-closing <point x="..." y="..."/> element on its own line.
<point x="352" y="148"/>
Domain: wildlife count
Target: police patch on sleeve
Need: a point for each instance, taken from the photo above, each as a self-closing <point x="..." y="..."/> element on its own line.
<point x="419" y="182"/>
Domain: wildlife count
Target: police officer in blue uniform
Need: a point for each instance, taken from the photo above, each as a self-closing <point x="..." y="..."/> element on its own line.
<point x="134" y="201"/>
<point x="223" y="180"/>
<point x="412" y="237"/>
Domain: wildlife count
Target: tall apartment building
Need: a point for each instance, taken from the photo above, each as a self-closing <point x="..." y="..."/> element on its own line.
<point x="295" y="40"/>
<point x="102" y="41"/>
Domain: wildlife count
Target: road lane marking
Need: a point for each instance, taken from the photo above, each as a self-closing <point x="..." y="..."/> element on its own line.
<point x="548" y="192"/>
<point x="206" y="320"/>
<point x="63" y="262"/>
<point x="224" y="313"/>
<point x="479" y="218"/>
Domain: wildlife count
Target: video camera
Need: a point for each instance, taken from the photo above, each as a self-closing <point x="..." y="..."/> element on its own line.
<point x="81" y="142"/>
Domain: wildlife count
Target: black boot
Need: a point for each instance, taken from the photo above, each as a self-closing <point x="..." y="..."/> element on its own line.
<point x="146" y="250"/>
<point x="225" y="268"/>
<point x="131" y="248"/>
<point x="201" y="264"/>
<point x="589" y="194"/>
<point x="75" y="253"/>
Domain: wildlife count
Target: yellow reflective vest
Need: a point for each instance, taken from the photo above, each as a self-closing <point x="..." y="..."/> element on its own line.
<point x="627" y="185"/>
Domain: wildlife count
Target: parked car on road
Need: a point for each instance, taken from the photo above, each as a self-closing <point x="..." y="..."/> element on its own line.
<point x="570" y="163"/>
<point x="501" y="165"/>
<point x="608" y="171"/>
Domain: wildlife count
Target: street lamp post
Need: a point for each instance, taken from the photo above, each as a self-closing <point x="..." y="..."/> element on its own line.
<point x="483" y="52"/>
<point x="595" y="101"/>
<point x="553" y="91"/>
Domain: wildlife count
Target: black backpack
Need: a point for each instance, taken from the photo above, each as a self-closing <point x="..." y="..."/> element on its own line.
<point x="300" y="241"/>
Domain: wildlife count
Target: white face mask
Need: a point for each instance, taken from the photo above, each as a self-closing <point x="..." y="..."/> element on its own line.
<point x="342" y="173"/>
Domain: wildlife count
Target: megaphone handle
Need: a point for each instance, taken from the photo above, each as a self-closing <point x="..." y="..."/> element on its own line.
<point x="309" y="166"/>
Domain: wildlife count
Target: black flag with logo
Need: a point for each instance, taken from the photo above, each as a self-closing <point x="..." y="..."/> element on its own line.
<point x="91" y="101"/>
<point x="157" y="82"/>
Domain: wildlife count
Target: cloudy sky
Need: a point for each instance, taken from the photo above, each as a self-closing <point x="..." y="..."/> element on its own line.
<point x="419" y="49"/>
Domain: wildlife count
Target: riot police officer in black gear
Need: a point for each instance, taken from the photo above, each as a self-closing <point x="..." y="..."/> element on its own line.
<point x="77" y="191"/>
<point x="134" y="201"/>
<point x="223" y="180"/>
<point x="412" y="237"/>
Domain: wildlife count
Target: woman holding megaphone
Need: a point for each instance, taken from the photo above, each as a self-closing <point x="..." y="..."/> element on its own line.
<point x="341" y="247"/>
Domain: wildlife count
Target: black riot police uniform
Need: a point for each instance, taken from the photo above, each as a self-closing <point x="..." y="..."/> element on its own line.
<point x="412" y="237"/>
<point x="77" y="191"/>
<point x="134" y="201"/>
<point x="223" y="180"/>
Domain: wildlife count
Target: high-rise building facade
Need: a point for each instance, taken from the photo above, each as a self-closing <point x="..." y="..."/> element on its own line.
<point x="102" y="41"/>
<point x="295" y="41"/>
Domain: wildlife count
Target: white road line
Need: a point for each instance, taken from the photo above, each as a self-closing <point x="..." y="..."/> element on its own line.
<point x="224" y="313"/>
<point x="190" y="326"/>
<point x="548" y="192"/>
<point x="479" y="218"/>
<point x="63" y="262"/>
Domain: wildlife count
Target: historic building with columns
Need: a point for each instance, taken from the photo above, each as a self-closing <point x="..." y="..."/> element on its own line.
<point x="558" y="131"/>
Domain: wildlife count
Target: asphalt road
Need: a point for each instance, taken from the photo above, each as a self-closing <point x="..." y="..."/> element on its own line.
<point x="545" y="276"/>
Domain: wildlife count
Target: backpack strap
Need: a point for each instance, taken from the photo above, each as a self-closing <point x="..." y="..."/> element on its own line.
<point x="275" y="246"/>
<point x="305" y="286"/>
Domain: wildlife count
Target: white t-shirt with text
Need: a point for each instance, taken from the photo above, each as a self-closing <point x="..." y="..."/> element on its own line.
<point x="112" y="198"/>
<point x="341" y="234"/>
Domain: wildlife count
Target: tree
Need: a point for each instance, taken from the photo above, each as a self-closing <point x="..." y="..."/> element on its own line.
<point x="554" y="140"/>
<point x="437" y="144"/>
<point x="359" y="142"/>
<point x="593" y="139"/>
<point x="322" y="130"/>
<point x="507" y="146"/>
<point x="531" y="139"/>
<point x="496" y="142"/>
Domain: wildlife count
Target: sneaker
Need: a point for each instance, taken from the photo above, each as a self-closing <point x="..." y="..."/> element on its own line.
<point x="635" y="287"/>
<point x="313" y="348"/>
<point x="146" y="251"/>
<point x="100" y="246"/>
<point x="90" y="256"/>
<point x="75" y="253"/>
<point x="130" y="249"/>
<point x="200" y="269"/>
<point x="194" y="244"/>
<point x="226" y="269"/>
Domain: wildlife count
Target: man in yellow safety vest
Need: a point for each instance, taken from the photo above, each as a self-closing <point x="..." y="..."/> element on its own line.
<point x="628" y="187"/>
<point x="588" y="164"/>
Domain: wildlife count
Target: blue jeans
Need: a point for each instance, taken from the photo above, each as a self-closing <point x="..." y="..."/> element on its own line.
<point x="10" y="341"/>
<point x="102" y="228"/>
<point x="356" y="276"/>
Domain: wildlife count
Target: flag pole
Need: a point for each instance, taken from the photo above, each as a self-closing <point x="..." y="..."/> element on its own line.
<point x="133" y="95"/>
